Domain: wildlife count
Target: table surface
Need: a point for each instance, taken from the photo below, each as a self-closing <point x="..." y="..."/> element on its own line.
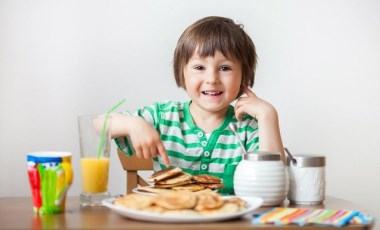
<point x="17" y="213"/>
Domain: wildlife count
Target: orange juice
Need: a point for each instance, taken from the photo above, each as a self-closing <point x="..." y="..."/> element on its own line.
<point x="94" y="174"/>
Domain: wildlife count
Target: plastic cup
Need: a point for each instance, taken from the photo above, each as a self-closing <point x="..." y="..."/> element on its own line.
<point x="50" y="176"/>
<point x="95" y="142"/>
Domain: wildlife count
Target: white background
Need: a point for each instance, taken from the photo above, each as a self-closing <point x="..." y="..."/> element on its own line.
<point x="319" y="65"/>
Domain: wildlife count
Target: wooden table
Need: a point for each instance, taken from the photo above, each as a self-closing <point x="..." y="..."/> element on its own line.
<point x="17" y="213"/>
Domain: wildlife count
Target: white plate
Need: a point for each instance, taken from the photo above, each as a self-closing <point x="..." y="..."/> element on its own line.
<point x="253" y="203"/>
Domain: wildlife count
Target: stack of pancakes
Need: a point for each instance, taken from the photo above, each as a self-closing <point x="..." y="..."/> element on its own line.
<point x="176" y="179"/>
<point x="203" y="202"/>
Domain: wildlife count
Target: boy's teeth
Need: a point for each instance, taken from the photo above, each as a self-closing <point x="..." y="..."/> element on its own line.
<point x="213" y="93"/>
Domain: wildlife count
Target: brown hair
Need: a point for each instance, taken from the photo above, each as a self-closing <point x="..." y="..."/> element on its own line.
<point x="211" y="34"/>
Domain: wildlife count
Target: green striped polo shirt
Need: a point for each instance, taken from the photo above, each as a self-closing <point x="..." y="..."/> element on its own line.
<point x="190" y="148"/>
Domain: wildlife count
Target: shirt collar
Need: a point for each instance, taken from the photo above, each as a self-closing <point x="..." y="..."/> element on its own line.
<point x="190" y="122"/>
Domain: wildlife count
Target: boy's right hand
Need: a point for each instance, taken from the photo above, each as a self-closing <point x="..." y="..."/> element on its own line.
<point x="146" y="140"/>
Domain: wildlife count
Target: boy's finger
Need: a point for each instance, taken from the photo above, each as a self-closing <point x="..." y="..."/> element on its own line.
<point x="139" y="152"/>
<point x="153" y="151"/>
<point x="146" y="153"/>
<point x="238" y="115"/>
<point x="248" y="91"/>
<point x="163" y="154"/>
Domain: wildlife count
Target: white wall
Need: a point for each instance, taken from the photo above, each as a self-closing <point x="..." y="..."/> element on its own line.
<point x="319" y="64"/>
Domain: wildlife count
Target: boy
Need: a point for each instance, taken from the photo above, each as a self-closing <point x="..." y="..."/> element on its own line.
<point x="215" y="62"/>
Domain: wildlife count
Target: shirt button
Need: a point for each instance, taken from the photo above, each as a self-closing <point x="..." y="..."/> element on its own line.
<point x="203" y="167"/>
<point x="207" y="154"/>
<point x="200" y="134"/>
<point x="204" y="143"/>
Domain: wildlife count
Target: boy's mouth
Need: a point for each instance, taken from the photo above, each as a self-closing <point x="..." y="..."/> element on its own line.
<point x="212" y="93"/>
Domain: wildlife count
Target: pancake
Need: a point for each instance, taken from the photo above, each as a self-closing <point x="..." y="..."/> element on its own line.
<point x="182" y="212"/>
<point x="174" y="177"/>
<point x="204" y="190"/>
<point x="163" y="174"/>
<point x="155" y="209"/>
<point x="208" y="200"/>
<point x="189" y="187"/>
<point x="236" y="200"/>
<point x="180" y="177"/>
<point x="134" y="201"/>
<point x="206" y="179"/>
<point x="172" y="185"/>
<point x="224" y="209"/>
<point x="182" y="203"/>
<point x="176" y="200"/>
<point x="213" y="186"/>
<point x="152" y="189"/>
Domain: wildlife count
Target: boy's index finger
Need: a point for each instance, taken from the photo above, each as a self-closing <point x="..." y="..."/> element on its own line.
<point x="247" y="91"/>
<point x="163" y="154"/>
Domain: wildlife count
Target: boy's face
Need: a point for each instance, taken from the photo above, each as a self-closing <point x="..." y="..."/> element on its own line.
<point x="212" y="82"/>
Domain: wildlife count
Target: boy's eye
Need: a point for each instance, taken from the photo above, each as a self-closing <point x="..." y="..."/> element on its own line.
<point x="225" y="68"/>
<point x="199" y="67"/>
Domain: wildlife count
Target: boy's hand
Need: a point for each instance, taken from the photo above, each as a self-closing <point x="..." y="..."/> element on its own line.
<point x="146" y="140"/>
<point x="267" y="119"/>
<point x="252" y="105"/>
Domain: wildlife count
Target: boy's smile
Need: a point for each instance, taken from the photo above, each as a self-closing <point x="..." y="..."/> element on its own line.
<point x="212" y="93"/>
<point x="212" y="82"/>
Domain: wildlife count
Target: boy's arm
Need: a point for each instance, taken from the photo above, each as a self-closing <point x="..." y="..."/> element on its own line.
<point x="269" y="133"/>
<point x="121" y="125"/>
<point x="266" y="115"/>
<point x="145" y="139"/>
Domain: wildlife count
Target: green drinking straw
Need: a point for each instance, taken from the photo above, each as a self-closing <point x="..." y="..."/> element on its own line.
<point x="105" y="125"/>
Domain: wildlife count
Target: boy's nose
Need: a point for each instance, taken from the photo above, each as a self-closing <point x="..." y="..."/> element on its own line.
<point x="212" y="77"/>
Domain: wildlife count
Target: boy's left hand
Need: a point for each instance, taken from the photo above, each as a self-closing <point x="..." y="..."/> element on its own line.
<point x="252" y="105"/>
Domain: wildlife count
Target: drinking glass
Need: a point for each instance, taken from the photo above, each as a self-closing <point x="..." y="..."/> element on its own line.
<point x="95" y="142"/>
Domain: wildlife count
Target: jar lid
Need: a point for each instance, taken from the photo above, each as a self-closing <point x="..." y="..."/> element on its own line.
<point x="262" y="156"/>
<point x="304" y="160"/>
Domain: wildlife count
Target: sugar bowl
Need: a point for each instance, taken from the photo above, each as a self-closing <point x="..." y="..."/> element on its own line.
<point x="262" y="174"/>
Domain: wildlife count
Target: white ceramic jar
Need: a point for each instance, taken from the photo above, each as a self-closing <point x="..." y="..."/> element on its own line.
<point x="262" y="174"/>
<point x="307" y="180"/>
